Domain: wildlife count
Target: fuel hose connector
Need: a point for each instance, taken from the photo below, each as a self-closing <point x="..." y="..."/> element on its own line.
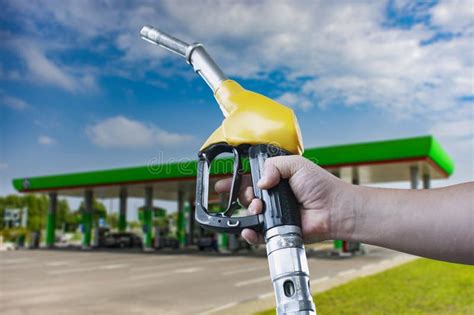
<point x="289" y="270"/>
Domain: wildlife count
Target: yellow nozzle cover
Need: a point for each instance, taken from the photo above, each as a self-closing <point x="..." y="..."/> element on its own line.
<point x="252" y="118"/>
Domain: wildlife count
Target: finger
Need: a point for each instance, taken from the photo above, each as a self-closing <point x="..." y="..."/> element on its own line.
<point x="224" y="185"/>
<point x="255" y="207"/>
<point x="246" y="196"/>
<point x="252" y="237"/>
<point x="279" y="167"/>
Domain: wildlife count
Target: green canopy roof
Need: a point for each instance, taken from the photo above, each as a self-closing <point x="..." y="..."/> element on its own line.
<point x="373" y="162"/>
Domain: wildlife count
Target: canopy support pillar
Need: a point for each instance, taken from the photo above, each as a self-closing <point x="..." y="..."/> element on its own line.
<point x="87" y="219"/>
<point x="414" y="177"/>
<point x="122" y="223"/>
<point x="51" y="222"/>
<point x="426" y="181"/>
<point x="148" y="219"/>
<point x="191" y="222"/>
<point x="181" y="222"/>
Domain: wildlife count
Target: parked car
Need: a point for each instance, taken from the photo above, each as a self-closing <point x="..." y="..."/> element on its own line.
<point x="207" y="242"/>
<point x="122" y="240"/>
<point x="164" y="242"/>
<point x="7" y="246"/>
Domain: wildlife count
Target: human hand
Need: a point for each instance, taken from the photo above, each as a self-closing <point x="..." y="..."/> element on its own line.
<point x="323" y="198"/>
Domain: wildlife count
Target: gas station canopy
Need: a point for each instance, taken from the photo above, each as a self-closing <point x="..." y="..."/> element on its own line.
<point x="370" y="162"/>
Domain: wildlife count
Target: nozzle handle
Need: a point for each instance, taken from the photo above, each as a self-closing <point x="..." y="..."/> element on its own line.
<point x="154" y="36"/>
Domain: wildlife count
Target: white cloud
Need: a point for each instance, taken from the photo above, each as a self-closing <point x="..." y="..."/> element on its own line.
<point x="455" y="123"/>
<point x="45" y="70"/>
<point x="294" y="100"/>
<point x="350" y="57"/>
<point x="346" y="49"/>
<point x="13" y="102"/>
<point x="347" y="53"/>
<point x="454" y="15"/>
<point x="457" y="128"/>
<point x="42" y="70"/>
<point x="45" y="140"/>
<point x="122" y="132"/>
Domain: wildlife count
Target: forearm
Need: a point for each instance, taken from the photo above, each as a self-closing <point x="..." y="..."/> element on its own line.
<point x="436" y="223"/>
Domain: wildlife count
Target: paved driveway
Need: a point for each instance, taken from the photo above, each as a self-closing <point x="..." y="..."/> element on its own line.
<point x="117" y="282"/>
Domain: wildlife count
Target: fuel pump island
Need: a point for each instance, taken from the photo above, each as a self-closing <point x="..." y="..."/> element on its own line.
<point x="254" y="128"/>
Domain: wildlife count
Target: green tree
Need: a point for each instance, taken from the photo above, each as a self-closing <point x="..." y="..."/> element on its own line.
<point x="2" y="212"/>
<point x="134" y="225"/>
<point x="37" y="206"/>
<point x="63" y="214"/>
<point x="98" y="211"/>
<point x="73" y="220"/>
<point x="112" y="220"/>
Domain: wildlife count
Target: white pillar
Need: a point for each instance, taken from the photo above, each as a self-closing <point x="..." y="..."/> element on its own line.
<point x="414" y="174"/>
<point x="426" y="181"/>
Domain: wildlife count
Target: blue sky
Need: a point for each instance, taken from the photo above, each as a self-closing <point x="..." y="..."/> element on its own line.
<point x="79" y="90"/>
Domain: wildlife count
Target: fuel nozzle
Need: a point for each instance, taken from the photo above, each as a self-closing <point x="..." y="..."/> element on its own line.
<point x="195" y="55"/>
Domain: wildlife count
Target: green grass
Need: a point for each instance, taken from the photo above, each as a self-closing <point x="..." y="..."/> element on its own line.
<point x="420" y="287"/>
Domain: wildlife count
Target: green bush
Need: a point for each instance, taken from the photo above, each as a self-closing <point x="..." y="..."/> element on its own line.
<point x="14" y="234"/>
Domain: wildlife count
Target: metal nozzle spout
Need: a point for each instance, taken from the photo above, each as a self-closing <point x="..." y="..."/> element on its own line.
<point x="195" y="55"/>
<point x="156" y="37"/>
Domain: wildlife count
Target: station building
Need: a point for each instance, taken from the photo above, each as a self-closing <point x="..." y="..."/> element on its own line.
<point x="414" y="160"/>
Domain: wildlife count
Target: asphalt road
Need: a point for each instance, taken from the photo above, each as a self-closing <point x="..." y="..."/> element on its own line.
<point x="118" y="282"/>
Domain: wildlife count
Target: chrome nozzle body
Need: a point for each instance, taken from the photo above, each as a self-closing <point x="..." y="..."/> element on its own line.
<point x="289" y="271"/>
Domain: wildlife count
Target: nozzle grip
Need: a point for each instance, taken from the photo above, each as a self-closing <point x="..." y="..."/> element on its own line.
<point x="280" y="204"/>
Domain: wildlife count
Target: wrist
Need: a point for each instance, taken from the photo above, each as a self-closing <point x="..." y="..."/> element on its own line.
<point x="343" y="213"/>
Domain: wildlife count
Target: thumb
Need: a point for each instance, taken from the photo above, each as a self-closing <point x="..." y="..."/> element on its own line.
<point x="279" y="167"/>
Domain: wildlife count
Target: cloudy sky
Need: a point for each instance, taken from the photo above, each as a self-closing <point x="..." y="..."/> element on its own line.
<point x="79" y="90"/>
